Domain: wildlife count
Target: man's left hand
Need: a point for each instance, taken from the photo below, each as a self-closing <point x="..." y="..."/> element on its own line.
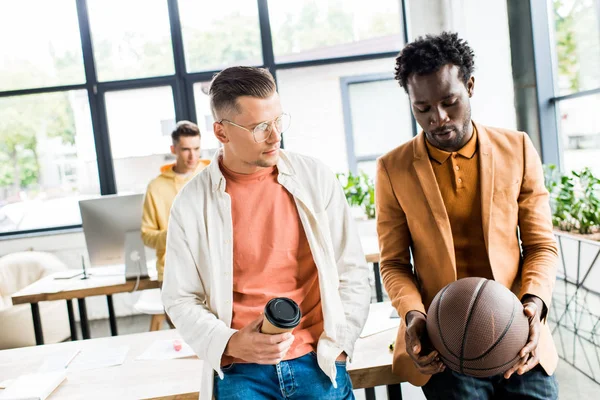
<point x="342" y="357"/>
<point x="532" y="307"/>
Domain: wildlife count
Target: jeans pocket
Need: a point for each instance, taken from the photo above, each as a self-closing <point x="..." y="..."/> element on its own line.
<point x="227" y="368"/>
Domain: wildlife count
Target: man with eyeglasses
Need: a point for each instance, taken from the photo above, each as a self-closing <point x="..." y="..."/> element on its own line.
<point x="261" y="223"/>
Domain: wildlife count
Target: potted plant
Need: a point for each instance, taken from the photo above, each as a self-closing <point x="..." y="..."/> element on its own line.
<point x="359" y="190"/>
<point x="575" y="203"/>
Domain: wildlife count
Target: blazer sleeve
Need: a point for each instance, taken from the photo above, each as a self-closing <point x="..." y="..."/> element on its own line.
<point x="540" y="253"/>
<point x="394" y="247"/>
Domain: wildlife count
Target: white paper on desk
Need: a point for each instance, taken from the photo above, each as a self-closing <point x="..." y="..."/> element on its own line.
<point x="379" y="321"/>
<point x="99" y="358"/>
<point x="59" y="360"/>
<point x="33" y="386"/>
<point x="164" y="350"/>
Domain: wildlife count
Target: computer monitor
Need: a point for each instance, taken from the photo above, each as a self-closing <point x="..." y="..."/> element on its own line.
<point x="112" y="229"/>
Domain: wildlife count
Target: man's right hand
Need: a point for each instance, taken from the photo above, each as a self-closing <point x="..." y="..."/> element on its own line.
<point x="250" y="345"/>
<point x="416" y="337"/>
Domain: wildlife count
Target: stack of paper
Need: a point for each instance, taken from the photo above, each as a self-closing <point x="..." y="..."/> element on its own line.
<point x="33" y="386"/>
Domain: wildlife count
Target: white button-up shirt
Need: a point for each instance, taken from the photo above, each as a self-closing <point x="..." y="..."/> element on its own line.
<point x="198" y="282"/>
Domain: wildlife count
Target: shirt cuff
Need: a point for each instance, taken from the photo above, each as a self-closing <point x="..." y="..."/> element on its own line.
<point x="216" y="347"/>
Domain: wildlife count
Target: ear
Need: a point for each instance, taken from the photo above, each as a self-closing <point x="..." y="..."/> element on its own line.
<point x="220" y="133"/>
<point x="471" y="86"/>
<point x="172" y="149"/>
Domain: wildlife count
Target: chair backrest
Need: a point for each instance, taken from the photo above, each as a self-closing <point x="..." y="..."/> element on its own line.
<point x="18" y="270"/>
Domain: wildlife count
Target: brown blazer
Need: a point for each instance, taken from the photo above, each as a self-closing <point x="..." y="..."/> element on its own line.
<point x="412" y="218"/>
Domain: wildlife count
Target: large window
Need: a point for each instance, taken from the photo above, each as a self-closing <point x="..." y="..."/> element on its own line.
<point x="309" y="29"/>
<point x="377" y="118"/>
<point x="47" y="160"/>
<point x="208" y="141"/>
<point x="580" y="131"/>
<point x="38" y="51"/>
<point x="131" y="39"/>
<point x="140" y="136"/>
<point x="576" y="39"/>
<point x="89" y="98"/>
<point x="220" y="34"/>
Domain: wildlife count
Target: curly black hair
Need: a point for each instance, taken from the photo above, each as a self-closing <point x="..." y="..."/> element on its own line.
<point x="428" y="54"/>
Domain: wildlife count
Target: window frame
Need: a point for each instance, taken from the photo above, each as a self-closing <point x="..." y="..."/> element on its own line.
<point x="545" y="70"/>
<point x="345" y="82"/>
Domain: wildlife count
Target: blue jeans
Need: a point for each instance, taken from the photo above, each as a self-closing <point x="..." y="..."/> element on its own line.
<point x="534" y="385"/>
<point x="300" y="378"/>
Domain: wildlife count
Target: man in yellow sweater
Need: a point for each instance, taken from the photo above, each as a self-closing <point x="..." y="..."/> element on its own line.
<point x="163" y="189"/>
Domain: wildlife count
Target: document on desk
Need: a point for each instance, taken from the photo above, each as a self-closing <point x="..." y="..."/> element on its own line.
<point x="379" y="320"/>
<point x="36" y="386"/>
<point x="99" y="358"/>
<point x="166" y="350"/>
<point x="59" y="360"/>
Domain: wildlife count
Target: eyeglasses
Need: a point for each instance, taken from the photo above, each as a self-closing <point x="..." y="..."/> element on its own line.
<point x="263" y="131"/>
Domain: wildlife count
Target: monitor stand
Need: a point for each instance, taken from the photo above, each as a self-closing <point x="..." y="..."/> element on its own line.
<point x="135" y="256"/>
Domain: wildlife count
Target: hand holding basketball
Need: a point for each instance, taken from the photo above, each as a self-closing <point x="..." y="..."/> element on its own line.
<point x="416" y="337"/>
<point x="529" y="358"/>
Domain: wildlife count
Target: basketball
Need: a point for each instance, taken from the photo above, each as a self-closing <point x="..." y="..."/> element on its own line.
<point x="477" y="326"/>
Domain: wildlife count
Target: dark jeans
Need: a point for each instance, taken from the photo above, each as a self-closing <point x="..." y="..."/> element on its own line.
<point x="300" y="378"/>
<point x="534" y="385"/>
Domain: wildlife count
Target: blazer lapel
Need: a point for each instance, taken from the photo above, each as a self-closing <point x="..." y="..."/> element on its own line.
<point x="486" y="178"/>
<point x="429" y="185"/>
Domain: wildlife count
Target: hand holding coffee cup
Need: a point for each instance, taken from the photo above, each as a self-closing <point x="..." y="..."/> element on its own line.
<point x="253" y="346"/>
<point x="281" y="315"/>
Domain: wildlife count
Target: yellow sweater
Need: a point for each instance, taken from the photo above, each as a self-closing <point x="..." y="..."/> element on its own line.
<point x="157" y="206"/>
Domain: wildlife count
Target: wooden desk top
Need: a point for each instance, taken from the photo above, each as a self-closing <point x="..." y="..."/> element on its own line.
<point x="102" y="281"/>
<point x="172" y="379"/>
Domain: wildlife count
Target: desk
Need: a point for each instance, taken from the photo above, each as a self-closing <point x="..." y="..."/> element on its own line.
<point x="110" y="280"/>
<point x="176" y="379"/>
<point x="102" y="281"/>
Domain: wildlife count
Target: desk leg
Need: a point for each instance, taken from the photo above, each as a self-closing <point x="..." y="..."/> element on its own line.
<point x="378" y="288"/>
<point x="37" y="323"/>
<point x="394" y="392"/>
<point x="85" y="325"/>
<point x="370" y="393"/>
<point x="111" y="315"/>
<point x="72" y="323"/>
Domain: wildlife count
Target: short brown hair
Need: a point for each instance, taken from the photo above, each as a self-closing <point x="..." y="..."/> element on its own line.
<point x="235" y="82"/>
<point x="185" y="128"/>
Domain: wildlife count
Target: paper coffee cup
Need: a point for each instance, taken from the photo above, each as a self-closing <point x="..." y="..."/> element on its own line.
<point x="281" y="315"/>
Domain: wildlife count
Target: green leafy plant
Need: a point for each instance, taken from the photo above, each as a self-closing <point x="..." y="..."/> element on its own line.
<point x="360" y="191"/>
<point x="574" y="198"/>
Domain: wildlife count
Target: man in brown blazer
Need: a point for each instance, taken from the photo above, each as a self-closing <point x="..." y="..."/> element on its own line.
<point x="465" y="200"/>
